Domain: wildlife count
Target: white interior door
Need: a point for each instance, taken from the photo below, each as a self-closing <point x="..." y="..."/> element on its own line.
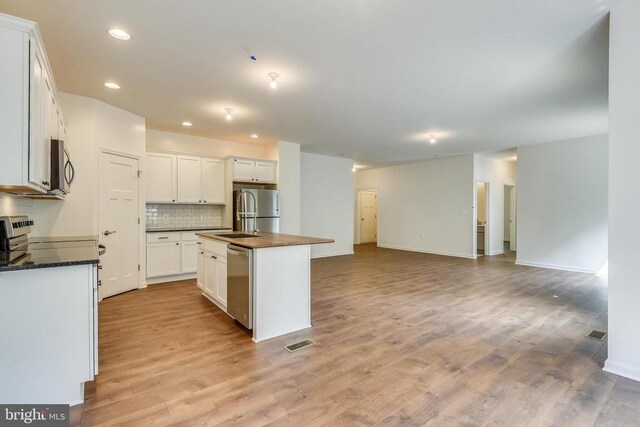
<point x="119" y="223"/>
<point x="513" y="217"/>
<point x="368" y="216"/>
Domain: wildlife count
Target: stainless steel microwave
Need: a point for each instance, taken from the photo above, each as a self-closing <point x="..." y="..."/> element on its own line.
<point x="62" y="172"/>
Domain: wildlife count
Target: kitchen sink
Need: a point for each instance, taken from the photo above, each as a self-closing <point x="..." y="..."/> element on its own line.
<point x="238" y="235"/>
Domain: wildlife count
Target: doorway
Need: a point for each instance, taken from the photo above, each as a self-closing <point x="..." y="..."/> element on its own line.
<point x="368" y="216"/>
<point x="118" y="221"/>
<point x="482" y="218"/>
<point x="509" y="218"/>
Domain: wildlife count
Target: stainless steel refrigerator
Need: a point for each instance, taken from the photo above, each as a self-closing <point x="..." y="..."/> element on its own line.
<point x="255" y="209"/>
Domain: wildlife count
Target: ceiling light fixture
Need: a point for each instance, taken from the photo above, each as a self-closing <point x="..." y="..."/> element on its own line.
<point x="353" y="169"/>
<point x="119" y="34"/>
<point x="112" y="85"/>
<point x="253" y="136"/>
<point x="187" y="124"/>
<point x="229" y="117"/>
<point x="432" y="138"/>
<point x="274" y="83"/>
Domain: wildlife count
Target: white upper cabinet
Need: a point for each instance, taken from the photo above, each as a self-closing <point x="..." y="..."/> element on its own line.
<point x="212" y="181"/>
<point x="161" y="179"/>
<point x="175" y="178"/>
<point x="265" y="171"/>
<point x="30" y="114"/>
<point x="249" y="170"/>
<point x="189" y="179"/>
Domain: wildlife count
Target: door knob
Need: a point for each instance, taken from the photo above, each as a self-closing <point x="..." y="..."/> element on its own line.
<point x="107" y="232"/>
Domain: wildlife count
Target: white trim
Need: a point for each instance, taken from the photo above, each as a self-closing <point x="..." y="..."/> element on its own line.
<point x="496" y="253"/>
<point x="622" y="370"/>
<point x="332" y="254"/>
<point x="555" y="267"/>
<point x="424" y="251"/>
<point x="172" y="278"/>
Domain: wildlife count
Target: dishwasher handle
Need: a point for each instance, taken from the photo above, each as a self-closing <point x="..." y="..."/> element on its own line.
<point x="235" y="251"/>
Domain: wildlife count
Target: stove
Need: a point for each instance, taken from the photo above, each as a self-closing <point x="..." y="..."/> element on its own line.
<point x="14" y="240"/>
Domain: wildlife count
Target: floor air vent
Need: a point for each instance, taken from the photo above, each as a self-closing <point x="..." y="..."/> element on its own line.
<point x="597" y="335"/>
<point x="297" y="346"/>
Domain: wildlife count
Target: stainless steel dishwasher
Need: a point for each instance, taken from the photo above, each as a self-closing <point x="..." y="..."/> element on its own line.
<point x="240" y="285"/>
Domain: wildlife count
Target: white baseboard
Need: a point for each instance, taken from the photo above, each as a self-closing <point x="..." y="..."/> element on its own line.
<point x="496" y="253"/>
<point x="555" y="267"/>
<point x="174" y="278"/>
<point x="403" y="248"/>
<point x="332" y="254"/>
<point x="622" y="370"/>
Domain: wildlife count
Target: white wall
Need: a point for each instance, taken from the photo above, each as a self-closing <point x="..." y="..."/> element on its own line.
<point x="562" y="204"/>
<point x="158" y="140"/>
<point x="497" y="173"/>
<point x="289" y="186"/>
<point x="327" y="201"/>
<point x="426" y="206"/>
<point x="624" y="191"/>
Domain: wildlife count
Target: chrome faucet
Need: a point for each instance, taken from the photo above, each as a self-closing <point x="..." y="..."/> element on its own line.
<point x="254" y="213"/>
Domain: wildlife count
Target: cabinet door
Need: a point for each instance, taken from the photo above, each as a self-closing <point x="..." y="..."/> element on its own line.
<point x="189" y="257"/>
<point x="243" y="170"/>
<point x="163" y="259"/>
<point x="161" y="177"/>
<point x="201" y="273"/>
<point x="265" y="172"/>
<point x="36" y="117"/>
<point x="48" y="126"/>
<point x="221" y="281"/>
<point x="189" y="179"/>
<point x="210" y="275"/>
<point x="213" y="181"/>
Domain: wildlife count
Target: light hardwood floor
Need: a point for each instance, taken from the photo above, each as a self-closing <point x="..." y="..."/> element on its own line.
<point x="401" y="339"/>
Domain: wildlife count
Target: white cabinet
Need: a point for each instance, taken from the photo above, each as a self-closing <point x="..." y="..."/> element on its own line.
<point x="215" y="277"/>
<point x="200" y="278"/>
<point x="163" y="259"/>
<point x="221" y="281"/>
<point x="244" y="170"/>
<point x="161" y="178"/>
<point x="250" y="170"/>
<point x="175" y="178"/>
<point x="212" y="181"/>
<point x="189" y="257"/>
<point x="265" y="172"/>
<point x="30" y="114"/>
<point x="189" y="179"/>
<point x="210" y="273"/>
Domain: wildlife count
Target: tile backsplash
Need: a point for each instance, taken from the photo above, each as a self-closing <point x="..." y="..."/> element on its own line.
<point x="178" y="216"/>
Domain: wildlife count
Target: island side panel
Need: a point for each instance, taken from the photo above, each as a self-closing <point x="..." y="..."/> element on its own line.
<point x="282" y="291"/>
<point x="46" y="327"/>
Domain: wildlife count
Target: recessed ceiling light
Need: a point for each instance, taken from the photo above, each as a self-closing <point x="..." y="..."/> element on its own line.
<point x="274" y="83"/>
<point x="229" y="117"/>
<point x="187" y="124"/>
<point x="119" y="34"/>
<point x="112" y="85"/>
<point x="432" y="138"/>
<point x="253" y="136"/>
<point x="353" y="169"/>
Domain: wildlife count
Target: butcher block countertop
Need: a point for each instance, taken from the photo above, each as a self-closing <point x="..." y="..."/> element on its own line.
<point x="267" y="240"/>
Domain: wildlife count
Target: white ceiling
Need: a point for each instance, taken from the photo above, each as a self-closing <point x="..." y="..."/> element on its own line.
<point x="369" y="79"/>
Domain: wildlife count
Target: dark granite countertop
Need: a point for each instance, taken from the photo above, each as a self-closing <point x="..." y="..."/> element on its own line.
<point x="167" y="230"/>
<point x="47" y="258"/>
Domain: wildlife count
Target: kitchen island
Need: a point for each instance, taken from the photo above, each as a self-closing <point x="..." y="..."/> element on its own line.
<point x="267" y="283"/>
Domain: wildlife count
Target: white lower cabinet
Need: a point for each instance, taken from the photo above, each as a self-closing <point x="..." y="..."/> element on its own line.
<point x="200" y="277"/>
<point x="163" y="259"/>
<point x="215" y="277"/>
<point x="189" y="257"/>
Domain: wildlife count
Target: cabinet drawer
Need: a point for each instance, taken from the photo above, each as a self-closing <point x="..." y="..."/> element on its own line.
<point x="216" y="248"/>
<point x="163" y="237"/>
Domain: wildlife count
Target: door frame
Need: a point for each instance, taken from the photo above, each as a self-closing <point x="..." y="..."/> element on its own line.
<point x="142" y="259"/>
<point x="358" y="225"/>
<point x="487" y="209"/>
<point x="513" y="213"/>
